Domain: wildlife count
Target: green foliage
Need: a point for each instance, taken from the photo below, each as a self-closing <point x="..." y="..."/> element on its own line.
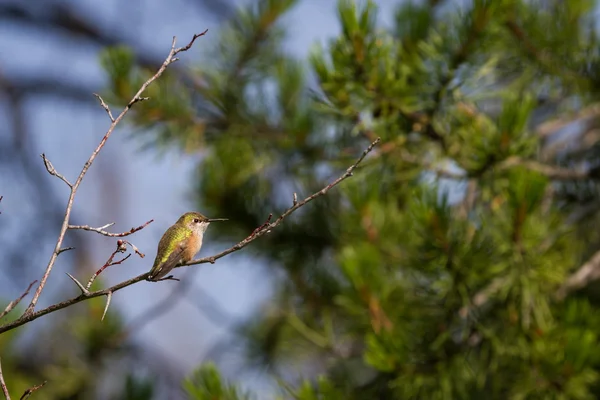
<point x="137" y="389"/>
<point x="433" y="272"/>
<point x="206" y="384"/>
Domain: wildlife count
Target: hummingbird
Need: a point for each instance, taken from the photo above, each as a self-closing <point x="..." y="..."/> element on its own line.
<point x="180" y="243"/>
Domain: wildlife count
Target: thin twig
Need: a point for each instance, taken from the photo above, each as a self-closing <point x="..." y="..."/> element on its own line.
<point x="14" y="303"/>
<point x="84" y="296"/>
<point x="121" y="248"/>
<point x="105" y="106"/>
<point x="32" y="389"/>
<point x="52" y="171"/>
<point x="3" y="384"/>
<point x="1" y="197"/>
<point x="101" y="230"/>
<point x="135" y="249"/>
<point x="65" y="224"/>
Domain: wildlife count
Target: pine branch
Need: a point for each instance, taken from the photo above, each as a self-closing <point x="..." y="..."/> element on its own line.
<point x="587" y="273"/>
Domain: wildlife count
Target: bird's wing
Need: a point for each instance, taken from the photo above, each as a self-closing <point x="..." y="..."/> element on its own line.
<point x="160" y="270"/>
<point x="164" y="265"/>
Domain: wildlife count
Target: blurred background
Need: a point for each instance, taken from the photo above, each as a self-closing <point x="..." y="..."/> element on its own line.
<point x="459" y="261"/>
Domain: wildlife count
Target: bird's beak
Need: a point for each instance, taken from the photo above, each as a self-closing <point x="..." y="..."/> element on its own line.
<point x="217" y="219"/>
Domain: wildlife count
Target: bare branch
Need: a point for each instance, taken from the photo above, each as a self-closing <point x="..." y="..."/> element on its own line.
<point x="101" y="230"/>
<point x="190" y="44"/>
<point x="32" y="389"/>
<point x="52" y="171"/>
<point x="14" y="303"/>
<point x="262" y="230"/>
<point x="3" y="385"/>
<point x="588" y="272"/>
<point x="65" y="225"/>
<point x="108" y="297"/>
<point x="105" y="106"/>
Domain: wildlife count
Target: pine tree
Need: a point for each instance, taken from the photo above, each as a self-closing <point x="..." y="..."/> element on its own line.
<point x="443" y="268"/>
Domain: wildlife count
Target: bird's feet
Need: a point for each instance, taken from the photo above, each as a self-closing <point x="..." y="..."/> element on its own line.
<point x="168" y="278"/>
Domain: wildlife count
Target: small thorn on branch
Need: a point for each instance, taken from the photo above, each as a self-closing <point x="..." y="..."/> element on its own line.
<point x="106" y="226"/>
<point x="105" y="106"/>
<point x="14" y="303"/>
<point x="32" y="389"/>
<point x="52" y="171"/>
<point x="108" y="297"/>
<point x="65" y="249"/>
<point x="79" y="285"/>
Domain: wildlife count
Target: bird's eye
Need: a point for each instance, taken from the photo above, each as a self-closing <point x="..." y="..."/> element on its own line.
<point x="196" y="220"/>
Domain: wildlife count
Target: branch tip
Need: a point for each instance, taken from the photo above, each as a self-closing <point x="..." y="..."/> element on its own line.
<point x="32" y="389"/>
<point x="105" y="106"/>
<point x="190" y="44"/>
<point x="52" y="171"/>
<point x="15" y="302"/>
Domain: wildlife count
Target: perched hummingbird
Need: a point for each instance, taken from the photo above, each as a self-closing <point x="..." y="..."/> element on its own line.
<point x="180" y="243"/>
